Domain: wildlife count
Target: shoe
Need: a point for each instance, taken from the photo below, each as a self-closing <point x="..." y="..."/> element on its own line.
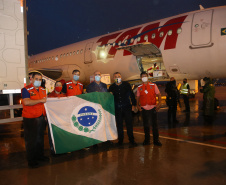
<point x="44" y="159"/>
<point x="176" y="121"/>
<point x="146" y="142"/>
<point x="157" y="143"/>
<point x="120" y="143"/>
<point x="95" y="147"/>
<point x="33" y="164"/>
<point x="133" y="143"/>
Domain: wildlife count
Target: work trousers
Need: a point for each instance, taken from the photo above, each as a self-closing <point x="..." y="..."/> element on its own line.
<point x="186" y="102"/>
<point x="120" y="114"/>
<point x="150" y="118"/>
<point x="34" y="138"/>
<point x="172" y="110"/>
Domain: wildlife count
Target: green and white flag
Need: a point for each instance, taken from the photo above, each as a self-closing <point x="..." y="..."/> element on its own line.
<point x="80" y="121"/>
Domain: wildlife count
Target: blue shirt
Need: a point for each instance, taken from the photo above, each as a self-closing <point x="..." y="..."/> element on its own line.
<point x="25" y="93"/>
<point x="94" y="87"/>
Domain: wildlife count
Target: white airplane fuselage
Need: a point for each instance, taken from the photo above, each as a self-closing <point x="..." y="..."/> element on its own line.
<point x="192" y="45"/>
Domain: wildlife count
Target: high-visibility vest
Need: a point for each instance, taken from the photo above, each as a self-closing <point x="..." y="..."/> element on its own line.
<point x="74" y="89"/>
<point x="184" y="89"/>
<point x="34" y="111"/>
<point x="147" y="94"/>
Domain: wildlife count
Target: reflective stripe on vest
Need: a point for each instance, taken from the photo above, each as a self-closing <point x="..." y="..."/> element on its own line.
<point x="34" y="111"/>
<point x="147" y="98"/>
<point x="184" y="89"/>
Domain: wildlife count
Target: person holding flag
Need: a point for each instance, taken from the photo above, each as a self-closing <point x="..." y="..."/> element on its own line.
<point x="34" y="97"/>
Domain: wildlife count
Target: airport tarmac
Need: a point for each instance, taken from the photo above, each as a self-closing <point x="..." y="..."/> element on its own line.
<point x="193" y="153"/>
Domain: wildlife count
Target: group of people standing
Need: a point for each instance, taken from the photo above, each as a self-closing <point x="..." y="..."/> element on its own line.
<point x="173" y="95"/>
<point x="34" y="96"/>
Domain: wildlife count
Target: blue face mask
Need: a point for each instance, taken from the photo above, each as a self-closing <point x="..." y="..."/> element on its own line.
<point x="97" y="78"/>
<point x="76" y="77"/>
<point x="37" y="83"/>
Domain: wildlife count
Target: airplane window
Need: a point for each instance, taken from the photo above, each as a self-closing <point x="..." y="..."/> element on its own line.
<point x="153" y="36"/>
<point x="196" y="25"/>
<point x="49" y="58"/>
<point x="125" y="41"/>
<point x="70" y="53"/>
<point x="73" y="52"/>
<point x="52" y="57"/>
<point x="81" y="51"/>
<point x="113" y="44"/>
<point x="119" y="43"/>
<point x="131" y="40"/>
<point x="179" y="30"/>
<point x="56" y="58"/>
<point x="161" y="34"/>
<point x="138" y="39"/>
<point x="170" y="32"/>
<point x="64" y="54"/>
<point x="60" y="55"/>
<point x="146" y="37"/>
<point x="67" y="54"/>
<point x="77" y="51"/>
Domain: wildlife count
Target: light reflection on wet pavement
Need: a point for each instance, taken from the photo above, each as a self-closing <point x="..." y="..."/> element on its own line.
<point x="193" y="152"/>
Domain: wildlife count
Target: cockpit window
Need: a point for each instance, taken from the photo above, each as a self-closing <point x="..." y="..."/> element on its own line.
<point x="179" y="30"/>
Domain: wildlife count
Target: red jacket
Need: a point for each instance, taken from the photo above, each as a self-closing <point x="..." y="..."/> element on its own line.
<point x="147" y="94"/>
<point x="74" y="89"/>
<point x="34" y="111"/>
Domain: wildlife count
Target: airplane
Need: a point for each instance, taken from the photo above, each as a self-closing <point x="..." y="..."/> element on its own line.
<point x="191" y="45"/>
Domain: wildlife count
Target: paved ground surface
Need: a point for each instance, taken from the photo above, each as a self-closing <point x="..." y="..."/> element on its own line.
<point x="193" y="152"/>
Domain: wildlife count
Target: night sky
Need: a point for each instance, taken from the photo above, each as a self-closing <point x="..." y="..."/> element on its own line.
<point x="55" y="23"/>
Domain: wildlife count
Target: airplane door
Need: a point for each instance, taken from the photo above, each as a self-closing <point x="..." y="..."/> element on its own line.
<point x="201" y="29"/>
<point x="88" y="53"/>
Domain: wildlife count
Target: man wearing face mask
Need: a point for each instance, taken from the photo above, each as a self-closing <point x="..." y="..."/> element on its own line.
<point x="96" y="85"/>
<point x="34" y="97"/>
<point x="172" y="99"/>
<point x="146" y="102"/>
<point x="73" y="87"/>
<point x="123" y="96"/>
<point x="185" y="91"/>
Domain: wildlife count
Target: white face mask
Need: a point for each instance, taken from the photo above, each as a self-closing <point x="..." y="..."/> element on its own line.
<point x="118" y="80"/>
<point x="144" y="79"/>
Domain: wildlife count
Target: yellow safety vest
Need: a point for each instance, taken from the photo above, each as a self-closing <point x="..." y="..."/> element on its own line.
<point x="184" y="89"/>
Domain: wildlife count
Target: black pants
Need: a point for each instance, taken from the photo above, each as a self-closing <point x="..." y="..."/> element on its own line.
<point x="186" y="102"/>
<point x="34" y="138"/>
<point x="172" y="111"/>
<point x="150" y="118"/>
<point x="120" y="114"/>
